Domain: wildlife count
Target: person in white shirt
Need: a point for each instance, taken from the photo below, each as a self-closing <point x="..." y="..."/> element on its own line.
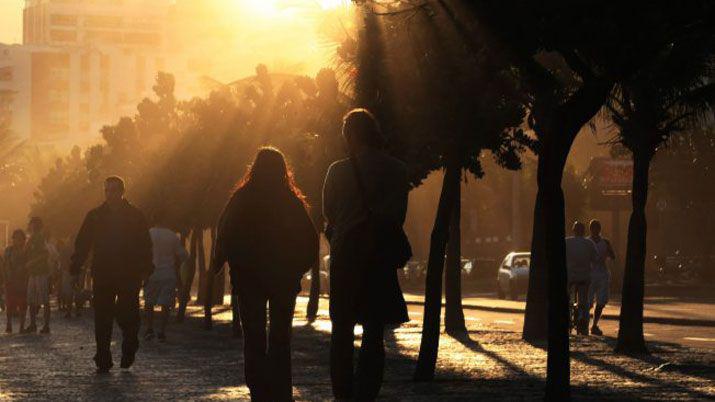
<point x="160" y="288"/>
<point x="580" y="255"/>
<point x="600" y="277"/>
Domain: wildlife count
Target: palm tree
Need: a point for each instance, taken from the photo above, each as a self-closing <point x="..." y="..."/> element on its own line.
<point x="673" y="94"/>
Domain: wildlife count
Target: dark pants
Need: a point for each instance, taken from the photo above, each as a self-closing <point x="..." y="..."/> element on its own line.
<point x="115" y="299"/>
<point x="267" y="366"/>
<point x="371" y="361"/>
<point x="579" y="292"/>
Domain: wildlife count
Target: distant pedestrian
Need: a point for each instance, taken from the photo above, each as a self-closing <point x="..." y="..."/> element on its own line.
<point x="39" y="271"/>
<point x="14" y="273"/>
<point x="600" y="275"/>
<point x="269" y="241"/>
<point x="160" y="288"/>
<point x="67" y="284"/>
<point x="117" y="235"/>
<point x="364" y="204"/>
<point x="580" y="255"/>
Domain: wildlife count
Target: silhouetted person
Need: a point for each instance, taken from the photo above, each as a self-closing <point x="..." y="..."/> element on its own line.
<point x="160" y="289"/>
<point x="600" y="276"/>
<point x="580" y="255"/>
<point x="38" y="271"/>
<point x="269" y="242"/>
<point x="14" y="273"/>
<point x="117" y="235"/>
<point x="364" y="288"/>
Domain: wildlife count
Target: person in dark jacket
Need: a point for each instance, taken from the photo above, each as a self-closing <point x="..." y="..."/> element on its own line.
<point x="117" y="235"/>
<point x="269" y="241"/>
<point x="364" y="288"/>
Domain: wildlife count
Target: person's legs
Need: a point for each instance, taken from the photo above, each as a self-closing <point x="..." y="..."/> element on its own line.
<point x="9" y="311"/>
<point x="46" y="296"/>
<point x="33" y="318"/>
<point x="163" y="320"/>
<point x="371" y="363"/>
<point x="342" y="349"/>
<point x="253" y="317"/>
<point x="582" y="306"/>
<point x="149" y="313"/>
<point x="104" y="296"/>
<point x="279" y="356"/>
<point x="601" y="295"/>
<point x="128" y="319"/>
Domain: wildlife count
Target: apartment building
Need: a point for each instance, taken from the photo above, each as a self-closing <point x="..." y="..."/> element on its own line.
<point x="82" y="63"/>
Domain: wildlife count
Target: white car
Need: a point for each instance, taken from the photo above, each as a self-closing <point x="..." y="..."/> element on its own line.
<point x="513" y="275"/>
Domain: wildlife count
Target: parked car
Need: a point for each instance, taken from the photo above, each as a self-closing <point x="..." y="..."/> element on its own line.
<point x="513" y="275"/>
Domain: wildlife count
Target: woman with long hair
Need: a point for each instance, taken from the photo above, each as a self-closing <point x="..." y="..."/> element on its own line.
<point x="269" y="241"/>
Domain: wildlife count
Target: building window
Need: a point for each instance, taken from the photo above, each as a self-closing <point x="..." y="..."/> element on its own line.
<point x="6" y="73"/>
<point x="103" y="21"/>
<point x="141" y="38"/>
<point x="58" y="35"/>
<point x="63" y="20"/>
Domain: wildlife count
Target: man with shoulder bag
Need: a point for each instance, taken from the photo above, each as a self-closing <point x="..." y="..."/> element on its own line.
<point x="364" y="204"/>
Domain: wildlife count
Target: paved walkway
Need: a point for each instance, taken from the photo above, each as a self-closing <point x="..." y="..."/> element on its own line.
<point x="492" y="364"/>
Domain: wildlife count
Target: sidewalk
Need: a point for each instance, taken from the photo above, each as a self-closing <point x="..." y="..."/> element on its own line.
<point x="492" y="364"/>
<point x="658" y="310"/>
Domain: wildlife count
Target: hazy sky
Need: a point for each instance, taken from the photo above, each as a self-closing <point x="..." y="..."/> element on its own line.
<point x="11" y="21"/>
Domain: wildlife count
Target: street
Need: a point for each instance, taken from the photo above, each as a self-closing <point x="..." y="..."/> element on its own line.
<point x="491" y="363"/>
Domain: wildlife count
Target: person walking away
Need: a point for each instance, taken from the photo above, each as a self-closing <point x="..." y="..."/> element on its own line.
<point x="14" y="275"/>
<point x="39" y="271"/>
<point x="67" y="286"/>
<point x="117" y="235"/>
<point x="160" y="289"/>
<point x="580" y="255"/>
<point x="269" y="241"/>
<point x="600" y="275"/>
<point x="364" y="204"/>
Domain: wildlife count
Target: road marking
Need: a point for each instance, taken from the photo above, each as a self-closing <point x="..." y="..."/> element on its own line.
<point x="693" y="338"/>
<point x="472" y="318"/>
<point x="503" y="322"/>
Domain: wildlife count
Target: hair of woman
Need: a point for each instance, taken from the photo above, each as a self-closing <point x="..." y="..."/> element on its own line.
<point x="270" y="171"/>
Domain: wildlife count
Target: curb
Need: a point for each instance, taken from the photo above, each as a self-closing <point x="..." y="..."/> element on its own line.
<point x="685" y="322"/>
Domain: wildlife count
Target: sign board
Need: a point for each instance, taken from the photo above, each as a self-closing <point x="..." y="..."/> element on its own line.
<point x="609" y="183"/>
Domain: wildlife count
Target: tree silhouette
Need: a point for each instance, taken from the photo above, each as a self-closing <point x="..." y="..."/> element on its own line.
<point x="453" y="114"/>
<point x="568" y="58"/>
<point x="669" y="96"/>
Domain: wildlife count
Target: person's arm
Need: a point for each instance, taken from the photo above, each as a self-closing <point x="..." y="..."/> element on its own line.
<point x="329" y="200"/>
<point x="145" y="256"/>
<point x="609" y="250"/>
<point x="83" y="244"/>
<point x="181" y="256"/>
<point x="223" y="231"/>
<point x="310" y="247"/>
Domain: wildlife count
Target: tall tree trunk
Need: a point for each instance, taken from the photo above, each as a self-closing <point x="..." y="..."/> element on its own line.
<point x="429" y="344"/>
<point x="453" y="312"/>
<point x="558" y="360"/>
<point x="187" y="281"/>
<point x="630" y="326"/>
<point x="314" y="297"/>
<point x="210" y="280"/>
<point x="535" y="318"/>
<point x="219" y="287"/>
<point x="201" y="292"/>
